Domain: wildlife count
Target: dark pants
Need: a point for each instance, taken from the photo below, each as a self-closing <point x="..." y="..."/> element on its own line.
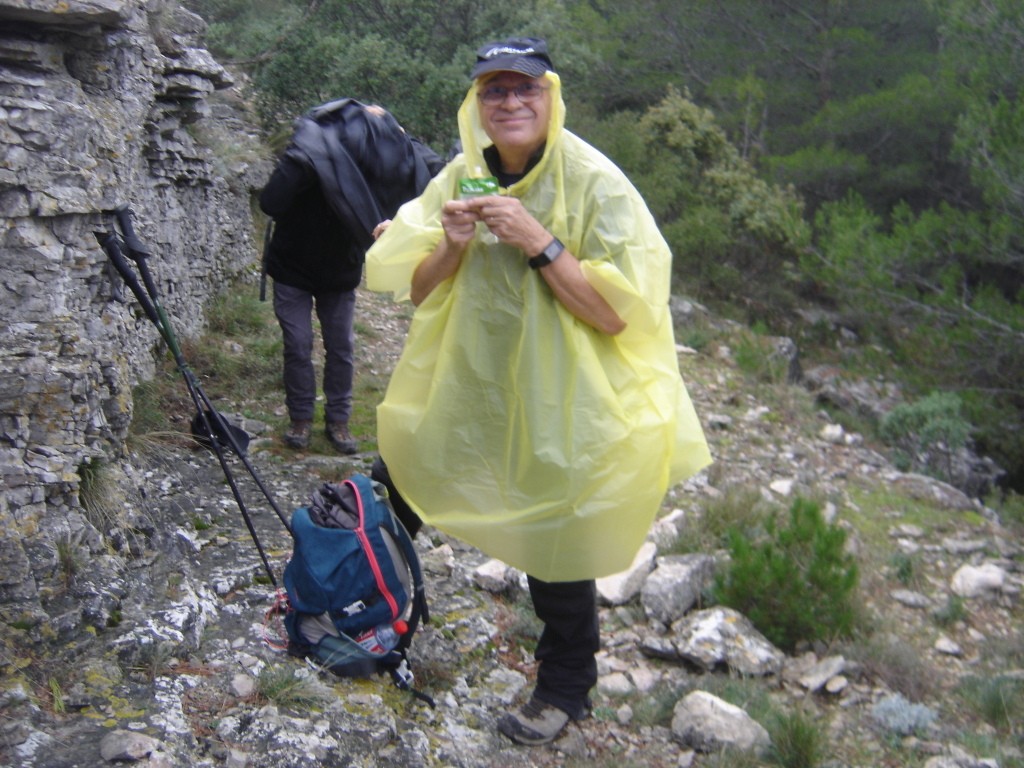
<point x="566" y="651"/>
<point x="567" y="667"/>
<point x="335" y="311"/>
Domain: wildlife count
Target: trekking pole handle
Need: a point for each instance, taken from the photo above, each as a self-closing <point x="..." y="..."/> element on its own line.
<point x="136" y="248"/>
<point x="108" y="241"/>
<point x="138" y="252"/>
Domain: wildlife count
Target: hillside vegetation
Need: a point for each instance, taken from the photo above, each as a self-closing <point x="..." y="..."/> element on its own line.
<point x="863" y="159"/>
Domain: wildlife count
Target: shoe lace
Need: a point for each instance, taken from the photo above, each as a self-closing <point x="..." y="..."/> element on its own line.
<point x="534" y="709"/>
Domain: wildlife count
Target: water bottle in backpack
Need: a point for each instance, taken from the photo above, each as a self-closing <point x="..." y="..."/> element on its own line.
<point x="382" y="638"/>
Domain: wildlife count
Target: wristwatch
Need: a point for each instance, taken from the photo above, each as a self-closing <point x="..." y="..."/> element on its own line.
<point x="549" y="254"/>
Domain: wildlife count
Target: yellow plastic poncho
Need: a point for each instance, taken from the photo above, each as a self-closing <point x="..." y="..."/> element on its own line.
<point x="510" y="424"/>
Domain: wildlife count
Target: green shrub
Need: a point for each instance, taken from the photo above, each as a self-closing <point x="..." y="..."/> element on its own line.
<point x="239" y="314"/>
<point x="1009" y="505"/>
<point x="905" y="569"/>
<point x="69" y="560"/>
<point x="57" y="696"/>
<point x="518" y="625"/>
<point x="1004" y="652"/>
<point x="99" y="495"/>
<point x="286" y="686"/>
<point x="156" y="401"/>
<point x="740" y="507"/>
<point x="927" y="433"/>
<point x="655" y="707"/>
<point x="759" y="359"/>
<point x="241" y="349"/>
<point x="797" y="583"/>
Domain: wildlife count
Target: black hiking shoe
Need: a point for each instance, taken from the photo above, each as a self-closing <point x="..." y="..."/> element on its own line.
<point x="534" y="723"/>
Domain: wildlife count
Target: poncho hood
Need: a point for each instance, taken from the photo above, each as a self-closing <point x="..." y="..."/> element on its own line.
<point x="475" y="139"/>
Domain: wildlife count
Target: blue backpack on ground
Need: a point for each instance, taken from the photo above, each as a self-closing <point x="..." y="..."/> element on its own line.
<point x="354" y="584"/>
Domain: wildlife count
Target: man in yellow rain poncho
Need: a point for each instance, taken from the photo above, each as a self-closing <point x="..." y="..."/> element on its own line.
<point x="537" y="411"/>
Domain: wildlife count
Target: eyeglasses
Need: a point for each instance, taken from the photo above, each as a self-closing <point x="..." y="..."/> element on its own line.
<point x="527" y="91"/>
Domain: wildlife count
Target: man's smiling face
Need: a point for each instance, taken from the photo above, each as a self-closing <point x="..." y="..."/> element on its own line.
<point x="517" y="128"/>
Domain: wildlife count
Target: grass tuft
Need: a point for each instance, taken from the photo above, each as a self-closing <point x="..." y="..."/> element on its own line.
<point x="286" y="686"/>
<point x="797" y="740"/>
<point x="100" y="496"/>
<point x="998" y="700"/>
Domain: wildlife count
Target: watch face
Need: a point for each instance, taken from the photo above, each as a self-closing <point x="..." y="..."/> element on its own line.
<point x="549" y="254"/>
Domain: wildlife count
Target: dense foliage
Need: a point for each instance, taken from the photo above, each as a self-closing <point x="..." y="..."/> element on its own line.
<point x="867" y="157"/>
<point x="796" y="583"/>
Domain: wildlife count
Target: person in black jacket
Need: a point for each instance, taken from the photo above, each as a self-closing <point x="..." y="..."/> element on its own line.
<point x="349" y="167"/>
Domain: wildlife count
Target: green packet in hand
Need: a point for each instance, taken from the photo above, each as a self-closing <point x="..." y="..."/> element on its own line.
<point x="478" y="187"/>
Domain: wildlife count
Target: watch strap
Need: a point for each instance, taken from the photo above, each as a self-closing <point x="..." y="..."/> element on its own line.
<point x="550" y="253"/>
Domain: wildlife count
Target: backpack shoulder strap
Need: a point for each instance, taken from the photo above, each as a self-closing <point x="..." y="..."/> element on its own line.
<point x="420" y="612"/>
<point x="419" y="597"/>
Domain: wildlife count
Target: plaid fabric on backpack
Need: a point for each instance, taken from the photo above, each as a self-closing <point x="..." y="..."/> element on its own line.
<point x="353" y="569"/>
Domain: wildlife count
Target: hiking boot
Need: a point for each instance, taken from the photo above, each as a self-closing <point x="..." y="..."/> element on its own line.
<point x="297" y="435"/>
<point x="534" y="723"/>
<point x="341" y="438"/>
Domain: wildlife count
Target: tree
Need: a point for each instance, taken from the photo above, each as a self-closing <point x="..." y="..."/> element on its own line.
<point x="828" y="96"/>
<point x="734" y="237"/>
<point x="923" y="288"/>
<point x="986" y="52"/>
<point x="985" y="48"/>
<point x="410" y="56"/>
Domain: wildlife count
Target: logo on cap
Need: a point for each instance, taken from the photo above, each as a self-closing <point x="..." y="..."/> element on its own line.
<point x="508" y="50"/>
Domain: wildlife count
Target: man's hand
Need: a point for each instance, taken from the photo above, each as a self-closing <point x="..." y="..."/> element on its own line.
<point x="379" y="229"/>
<point x="509" y="220"/>
<point x="459" y="222"/>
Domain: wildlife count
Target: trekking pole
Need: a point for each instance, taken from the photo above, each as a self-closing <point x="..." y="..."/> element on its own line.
<point x="138" y="251"/>
<point x="153" y="311"/>
<point x="268" y="234"/>
<point x="149" y="302"/>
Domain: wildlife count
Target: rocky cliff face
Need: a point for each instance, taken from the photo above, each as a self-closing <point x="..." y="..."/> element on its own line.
<point x="102" y="103"/>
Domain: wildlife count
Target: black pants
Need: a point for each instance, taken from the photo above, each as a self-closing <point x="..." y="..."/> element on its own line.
<point x="408" y="518"/>
<point x="567" y="667"/>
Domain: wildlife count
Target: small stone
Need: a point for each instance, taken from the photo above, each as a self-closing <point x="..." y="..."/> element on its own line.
<point x="948" y="647"/>
<point x="910" y="599"/>
<point x="125" y="746"/>
<point x="494" y="576"/>
<point x="970" y="581"/>
<point x="832" y="433"/>
<point x="243" y="685"/>
<point x="836" y="685"/>
<point x="782" y="487"/>
<point x="615" y="684"/>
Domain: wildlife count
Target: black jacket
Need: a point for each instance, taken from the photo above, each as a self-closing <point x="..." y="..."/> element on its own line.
<point x="344" y="171"/>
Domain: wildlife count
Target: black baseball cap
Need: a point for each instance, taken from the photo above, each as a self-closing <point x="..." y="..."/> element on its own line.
<point x="528" y="55"/>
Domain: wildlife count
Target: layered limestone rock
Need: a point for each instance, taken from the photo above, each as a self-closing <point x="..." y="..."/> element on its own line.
<point x="102" y="103"/>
